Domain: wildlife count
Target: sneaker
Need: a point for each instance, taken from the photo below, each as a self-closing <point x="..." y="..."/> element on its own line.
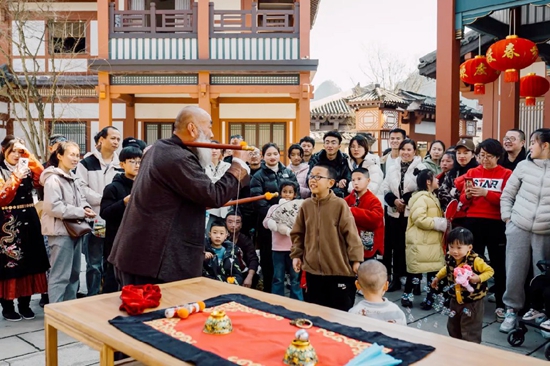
<point x="11" y="316"/>
<point x="509" y="322"/>
<point x="27" y="313"/>
<point x="541" y="320"/>
<point x="545" y="325"/>
<point x="492" y="298"/>
<point x="533" y="314"/>
<point x="500" y="314"/>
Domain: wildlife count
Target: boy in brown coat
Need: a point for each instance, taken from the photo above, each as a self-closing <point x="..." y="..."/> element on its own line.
<point x="326" y="243"/>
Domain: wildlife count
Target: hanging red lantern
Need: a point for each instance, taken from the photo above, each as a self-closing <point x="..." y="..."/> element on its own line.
<point x="532" y="86"/>
<point x="477" y="72"/>
<point x="512" y="54"/>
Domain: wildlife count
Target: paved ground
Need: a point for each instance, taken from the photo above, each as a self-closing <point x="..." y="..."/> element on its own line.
<point x="22" y="343"/>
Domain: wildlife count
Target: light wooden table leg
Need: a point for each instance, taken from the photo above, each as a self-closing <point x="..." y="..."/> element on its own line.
<point x="51" y="344"/>
<point x="107" y="356"/>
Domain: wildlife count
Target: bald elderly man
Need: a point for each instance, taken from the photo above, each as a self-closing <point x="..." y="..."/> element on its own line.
<point x="161" y="237"/>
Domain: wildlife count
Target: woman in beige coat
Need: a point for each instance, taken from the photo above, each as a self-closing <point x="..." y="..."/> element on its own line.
<point x="425" y="227"/>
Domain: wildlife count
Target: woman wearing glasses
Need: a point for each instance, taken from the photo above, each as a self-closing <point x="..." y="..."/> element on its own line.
<point x="480" y="190"/>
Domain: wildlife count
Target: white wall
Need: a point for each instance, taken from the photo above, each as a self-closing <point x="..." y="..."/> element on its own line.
<point x="69" y="65"/>
<point x="425" y="127"/>
<point x="4" y="107"/>
<point x="74" y="111"/>
<point x="61" y="6"/>
<point x="158" y="111"/>
<point x="259" y="111"/>
<point x="34" y="37"/>
<point x="94" y="47"/>
<point x="30" y="65"/>
<point x="227" y="4"/>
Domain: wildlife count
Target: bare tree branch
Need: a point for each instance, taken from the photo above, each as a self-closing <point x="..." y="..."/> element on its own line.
<point x="28" y="60"/>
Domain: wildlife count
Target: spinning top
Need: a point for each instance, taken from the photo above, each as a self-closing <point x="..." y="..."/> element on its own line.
<point x="218" y="323"/>
<point x="300" y="352"/>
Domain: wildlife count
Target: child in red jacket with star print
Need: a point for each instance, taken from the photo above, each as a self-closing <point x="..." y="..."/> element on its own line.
<point x="367" y="212"/>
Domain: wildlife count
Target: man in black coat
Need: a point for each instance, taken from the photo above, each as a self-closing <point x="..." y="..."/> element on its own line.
<point x="116" y="196"/>
<point x="161" y="237"/>
<point x="332" y="156"/>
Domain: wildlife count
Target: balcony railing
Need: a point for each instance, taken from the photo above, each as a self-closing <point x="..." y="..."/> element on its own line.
<point x="251" y="34"/>
<point x="153" y="22"/>
<point x="254" y="22"/>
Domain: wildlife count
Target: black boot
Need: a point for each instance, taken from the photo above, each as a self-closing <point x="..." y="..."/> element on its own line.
<point x="8" y="311"/>
<point x="23" y="305"/>
<point x="427" y="304"/>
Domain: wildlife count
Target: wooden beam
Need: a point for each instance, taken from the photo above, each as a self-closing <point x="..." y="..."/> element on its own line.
<point x="216" y="90"/>
<point x="256" y="100"/>
<point x="154" y="89"/>
<point x="151" y="100"/>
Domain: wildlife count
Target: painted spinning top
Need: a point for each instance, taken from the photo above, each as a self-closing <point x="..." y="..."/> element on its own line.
<point x="218" y="323"/>
<point x="300" y="352"/>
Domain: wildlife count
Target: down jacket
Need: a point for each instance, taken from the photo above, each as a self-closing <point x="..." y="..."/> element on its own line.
<point x="266" y="180"/>
<point x="301" y="175"/>
<point x="526" y="197"/>
<point x="390" y="186"/>
<point x="371" y="163"/>
<point x="425" y="227"/>
<point x="63" y="199"/>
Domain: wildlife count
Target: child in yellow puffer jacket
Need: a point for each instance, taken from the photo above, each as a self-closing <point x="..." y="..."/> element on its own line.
<point x="425" y="228"/>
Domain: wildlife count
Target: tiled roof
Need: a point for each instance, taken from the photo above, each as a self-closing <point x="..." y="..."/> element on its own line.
<point x="377" y="94"/>
<point x="332" y="106"/>
<point x="337" y="105"/>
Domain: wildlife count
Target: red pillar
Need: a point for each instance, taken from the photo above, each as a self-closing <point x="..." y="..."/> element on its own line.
<point x="447" y="83"/>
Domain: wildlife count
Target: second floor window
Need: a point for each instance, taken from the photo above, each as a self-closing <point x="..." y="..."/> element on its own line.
<point x="67" y="37"/>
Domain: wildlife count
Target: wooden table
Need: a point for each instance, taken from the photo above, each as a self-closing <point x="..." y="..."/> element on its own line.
<point x="87" y="321"/>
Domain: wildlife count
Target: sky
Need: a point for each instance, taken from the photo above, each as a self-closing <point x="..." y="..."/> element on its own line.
<point x="345" y="29"/>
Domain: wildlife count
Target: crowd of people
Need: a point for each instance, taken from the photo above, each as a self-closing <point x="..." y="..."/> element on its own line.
<point x="343" y="223"/>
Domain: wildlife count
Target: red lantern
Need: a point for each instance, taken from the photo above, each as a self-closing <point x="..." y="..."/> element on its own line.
<point x="477" y="72"/>
<point x="512" y="54"/>
<point x="532" y="86"/>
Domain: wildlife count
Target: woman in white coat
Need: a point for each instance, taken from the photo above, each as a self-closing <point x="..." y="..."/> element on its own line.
<point x="398" y="187"/>
<point x="525" y="207"/>
<point x="359" y="157"/>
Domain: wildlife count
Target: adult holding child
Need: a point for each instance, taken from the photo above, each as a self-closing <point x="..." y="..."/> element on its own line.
<point x="525" y="207"/>
<point x="398" y="187"/>
<point x="268" y="179"/>
<point x="23" y="258"/>
<point x="161" y="237"/>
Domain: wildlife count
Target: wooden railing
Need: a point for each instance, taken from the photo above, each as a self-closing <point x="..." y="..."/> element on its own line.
<point x="254" y="22"/>
<point x="154" y="22"/>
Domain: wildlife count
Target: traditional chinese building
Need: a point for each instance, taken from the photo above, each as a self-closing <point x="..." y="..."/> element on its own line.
<point x="503" y="109"/>
<point x="134" y="64"/>
<point x="376" y="110"/>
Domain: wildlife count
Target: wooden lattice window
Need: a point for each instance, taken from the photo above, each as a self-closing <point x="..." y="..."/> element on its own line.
<point x="73" y="131"/>
<point x="67" y="37"/>
<point x="156" y="131"/>
<point x="258" y="134"/>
